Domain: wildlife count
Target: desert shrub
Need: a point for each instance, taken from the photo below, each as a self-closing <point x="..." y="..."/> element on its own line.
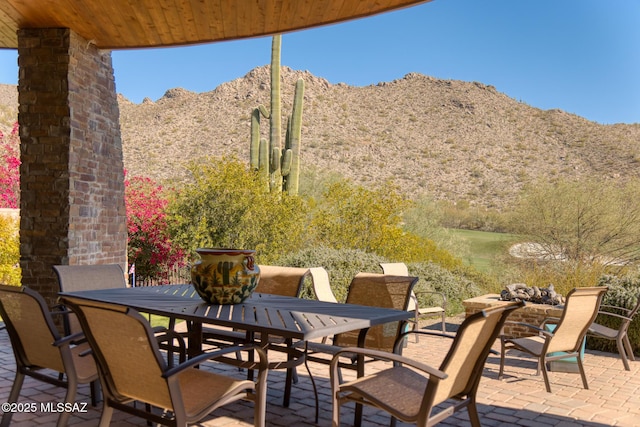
<point x="343" y="264"/>
<point x="624" y="292"/>
<point x="10" y="273"/>
<point x="226" y="205"/>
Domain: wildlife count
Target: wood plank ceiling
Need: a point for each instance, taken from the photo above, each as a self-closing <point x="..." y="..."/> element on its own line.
<point x="120" y="24"/>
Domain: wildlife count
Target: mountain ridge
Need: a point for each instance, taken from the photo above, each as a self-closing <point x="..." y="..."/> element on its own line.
<point x="449" y="139"/>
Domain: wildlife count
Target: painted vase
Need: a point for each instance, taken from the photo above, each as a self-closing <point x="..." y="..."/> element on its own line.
<point x="225" y="276"/>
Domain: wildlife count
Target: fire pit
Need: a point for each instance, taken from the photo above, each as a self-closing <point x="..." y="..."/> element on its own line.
<point x="533" y="294"/>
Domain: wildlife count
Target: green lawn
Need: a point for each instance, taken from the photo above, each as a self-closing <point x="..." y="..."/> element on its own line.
<point x="485" y="247"/>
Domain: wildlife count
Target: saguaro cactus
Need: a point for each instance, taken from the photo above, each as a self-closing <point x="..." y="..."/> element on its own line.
<point x="280" y="168"/>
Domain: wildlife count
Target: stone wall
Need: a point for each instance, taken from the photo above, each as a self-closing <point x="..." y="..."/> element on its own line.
<point x="532" y="314"/>
<point x="72" y="183"/>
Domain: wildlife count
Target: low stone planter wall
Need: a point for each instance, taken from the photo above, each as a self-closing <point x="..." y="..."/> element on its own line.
<point x="533" y="314"/>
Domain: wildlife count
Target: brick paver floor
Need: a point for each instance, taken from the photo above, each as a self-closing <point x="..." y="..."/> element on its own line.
<point x="519" y="399"/>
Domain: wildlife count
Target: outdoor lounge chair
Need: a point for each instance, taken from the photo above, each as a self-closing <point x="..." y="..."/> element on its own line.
<point x="400" y="269"/>
<point x="132" y="369"/>
<point x="580" y="310"/>
<point x="410" y="390"/>
<point x="37" y="346"/>
<point x="620" y="336"/>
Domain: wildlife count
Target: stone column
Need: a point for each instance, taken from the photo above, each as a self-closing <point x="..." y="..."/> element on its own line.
<point x="72" y="207"/>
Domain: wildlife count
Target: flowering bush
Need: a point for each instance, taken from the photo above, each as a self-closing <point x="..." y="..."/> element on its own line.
<point x="10" y="169"/>
<point x="149" y="247"/>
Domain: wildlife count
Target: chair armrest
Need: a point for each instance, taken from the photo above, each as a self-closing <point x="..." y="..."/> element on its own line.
<point x="262" y="364"/>
<point x="399" y="343"/>
<point x="391" y="357"/>
<point x="67" y="340"/>
<point x="613" y="307"/>
<point x="619" y="316"/>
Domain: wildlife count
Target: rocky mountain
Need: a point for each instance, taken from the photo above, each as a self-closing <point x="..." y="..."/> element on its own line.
<point x="450" y="139"/>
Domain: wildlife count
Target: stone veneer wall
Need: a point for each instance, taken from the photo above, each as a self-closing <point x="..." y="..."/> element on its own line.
<point x="532" y="314"/>
<point x="72" y="182"/>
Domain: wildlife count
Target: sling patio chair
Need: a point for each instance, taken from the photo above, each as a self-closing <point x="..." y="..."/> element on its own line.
<point x="625" y="317"/>
<point x="410" y="390"/>
<point x="373" y="290"/>
<point x="275" y="280"/>
<point x="566" y="340"/>
<point x="72" y="278"/>
<point x="132" y="369"/>
<point x="38" y="348"/>
<point x="440" y="310"/>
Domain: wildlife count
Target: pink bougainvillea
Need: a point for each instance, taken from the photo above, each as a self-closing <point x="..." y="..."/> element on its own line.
<point x="149" y="246"/>
<point x="10" y="169"/>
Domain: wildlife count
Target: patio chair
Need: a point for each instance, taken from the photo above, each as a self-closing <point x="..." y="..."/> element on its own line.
<point x="620" y="336"/>
<point x="72" y="278"/>
<point x="132" y="369"/>
<point x="38" y="346"/>
<point x="321" y="284"/>
<point x="279" y="280"/>
<point x="400" y="269"/>
<point x="373" y="290"/>
<point x="565" y="342"/>
<point x="410" y="390"/>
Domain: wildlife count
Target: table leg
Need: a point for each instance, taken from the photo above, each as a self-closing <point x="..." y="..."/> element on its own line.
<point x="195" y="339"/>
<point x="357" y="422"/>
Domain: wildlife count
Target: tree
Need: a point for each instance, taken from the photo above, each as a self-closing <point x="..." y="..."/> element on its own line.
<point x="592" y="221"/>
<point x="227" y="206"/>
<point x="150" y="247"/>
<point x="10" y="169"/>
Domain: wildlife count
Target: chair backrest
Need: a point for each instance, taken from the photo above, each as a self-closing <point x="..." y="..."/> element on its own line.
<point x="126" y="351"/>
<point x="278" y="280"/>
<point x="399" y="269"/>
<point x="378" y="290"/>
<point x="395" y="268"/>
<point x="30" y="327"/>
<point x="89" y="277"/>
<point x="467" y="355"/>
<point x="321" y="284"/>
<point x="580" y="310"/>
<point x="73" y="278"/>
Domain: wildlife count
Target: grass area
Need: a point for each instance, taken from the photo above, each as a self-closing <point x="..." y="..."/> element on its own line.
<point x="485" y="247"/>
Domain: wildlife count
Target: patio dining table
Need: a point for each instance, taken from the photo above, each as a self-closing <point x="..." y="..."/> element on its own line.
<point x="260" y="316"/>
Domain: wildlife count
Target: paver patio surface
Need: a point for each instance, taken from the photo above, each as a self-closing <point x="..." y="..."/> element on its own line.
<point x="520" y="399"/>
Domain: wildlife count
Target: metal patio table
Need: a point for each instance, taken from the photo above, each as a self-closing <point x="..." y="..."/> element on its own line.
<point x="260" y="315"/>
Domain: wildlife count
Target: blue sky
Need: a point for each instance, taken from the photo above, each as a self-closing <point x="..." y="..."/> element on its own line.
<point x="581" y="56"/>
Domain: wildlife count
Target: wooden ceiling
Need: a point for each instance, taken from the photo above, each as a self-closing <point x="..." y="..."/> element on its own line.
<point x="119" y="24"/>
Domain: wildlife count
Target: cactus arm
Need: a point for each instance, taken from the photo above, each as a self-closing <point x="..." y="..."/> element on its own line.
<point x="293" y="138"/>
<point x="254" y="148"/>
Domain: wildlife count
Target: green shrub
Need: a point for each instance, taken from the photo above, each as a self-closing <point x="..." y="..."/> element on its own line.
<point x="227" y="206"/>
<point x="343" y="264"/>
<point x="10" y="273"/>
<point x="624" y="292"/>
